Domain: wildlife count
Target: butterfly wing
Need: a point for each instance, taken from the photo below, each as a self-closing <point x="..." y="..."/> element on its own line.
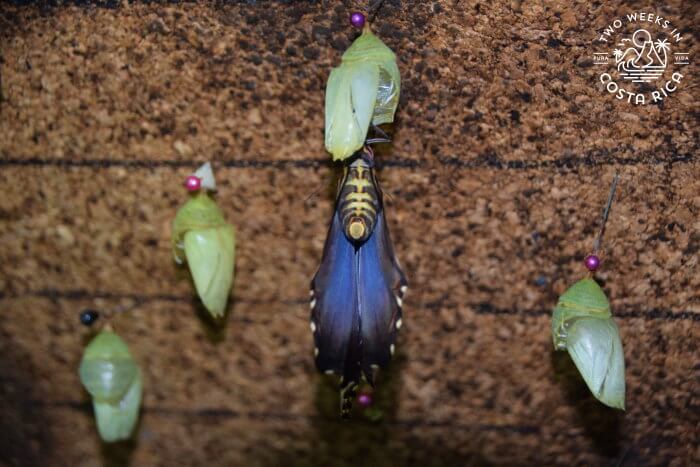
<point x="381" y="284"/>
<point x="390" y="264"/>
<point x="334" y="318"/>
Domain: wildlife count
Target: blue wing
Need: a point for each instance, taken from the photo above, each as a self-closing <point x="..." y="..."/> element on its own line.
<point x="334" y="316"/>
<point x="381" y="284"/>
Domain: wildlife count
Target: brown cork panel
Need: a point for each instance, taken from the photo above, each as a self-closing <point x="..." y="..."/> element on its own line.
<point x="504" y="148"/>
<point x="154" y="83"/>
<point x="463" y="376"/>
<point x="512" y="238"/>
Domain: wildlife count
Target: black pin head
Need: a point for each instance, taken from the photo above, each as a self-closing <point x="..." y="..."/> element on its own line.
<point x="88" y="317"/>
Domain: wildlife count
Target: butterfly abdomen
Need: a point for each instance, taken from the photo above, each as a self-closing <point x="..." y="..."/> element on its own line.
<point x="359" y="202"/>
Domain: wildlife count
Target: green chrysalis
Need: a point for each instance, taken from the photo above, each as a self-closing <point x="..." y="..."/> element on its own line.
<point x="583" y="325"/>
<point x="202" y="237"/>
<point x="113" y="379"/>
<point x="364" y="89"/>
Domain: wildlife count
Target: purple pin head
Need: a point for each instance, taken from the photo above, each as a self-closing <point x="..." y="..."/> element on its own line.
<point x="592" y="262"/>
<point x="357" y="19"/>
<point x="364" y="399"/>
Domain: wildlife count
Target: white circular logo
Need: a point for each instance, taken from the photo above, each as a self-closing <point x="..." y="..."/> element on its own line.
<point x="642" y="58"/>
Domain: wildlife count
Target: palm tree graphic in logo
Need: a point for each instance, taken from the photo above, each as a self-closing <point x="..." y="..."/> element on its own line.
<point x="645" y="60"/>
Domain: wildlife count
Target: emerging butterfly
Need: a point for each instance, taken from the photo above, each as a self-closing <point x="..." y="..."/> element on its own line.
<point x="357" y="292"/>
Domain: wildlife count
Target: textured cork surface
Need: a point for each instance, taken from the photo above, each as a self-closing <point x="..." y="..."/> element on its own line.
<point x="504" y="148"/>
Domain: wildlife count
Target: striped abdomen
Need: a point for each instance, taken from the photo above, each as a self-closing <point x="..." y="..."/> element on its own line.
<point x="359" y="202"/>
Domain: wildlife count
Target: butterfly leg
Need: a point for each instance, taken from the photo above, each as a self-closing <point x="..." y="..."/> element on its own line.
<point x="347" y="394"/>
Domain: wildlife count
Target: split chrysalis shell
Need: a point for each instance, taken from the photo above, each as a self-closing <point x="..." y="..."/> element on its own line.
<point x="112" y="377"/>
<point x="364" y="89"/>
<point x="202" y="237"/>
<point x="583" y="325"/>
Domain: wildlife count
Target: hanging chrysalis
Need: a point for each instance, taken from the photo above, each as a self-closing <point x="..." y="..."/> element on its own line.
<point x="113" y="379"/>
<point x="363" y="90"/>
<point x="357" y="292"/>
<point x="583" y="325"/>
<point x="202" y="237"/>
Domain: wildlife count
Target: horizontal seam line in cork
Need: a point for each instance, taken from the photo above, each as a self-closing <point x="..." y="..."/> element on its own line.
<point x="218" y="412"/>
<point x="481" y="308"/>
<point x="487" y="162"/>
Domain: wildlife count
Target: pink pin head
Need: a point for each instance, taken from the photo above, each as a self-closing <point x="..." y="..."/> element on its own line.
<point x="193" y="183"/>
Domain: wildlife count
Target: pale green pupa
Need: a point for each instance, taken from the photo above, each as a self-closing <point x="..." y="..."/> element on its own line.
<point x="202" y="237"/>
<point x="113" y="379"/>
<point x="364" y="89"/>
<point x="583" y="325"/>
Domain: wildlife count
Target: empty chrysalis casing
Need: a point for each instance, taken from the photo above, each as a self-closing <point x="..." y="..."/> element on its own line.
<point x="583" y="325"/>
<point x="202" y="237"/>
<point x="364" y="89"/>
<point x="113" y="379"/>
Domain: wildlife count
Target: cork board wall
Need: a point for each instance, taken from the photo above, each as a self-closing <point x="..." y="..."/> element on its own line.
<point x="503" y="150"/>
